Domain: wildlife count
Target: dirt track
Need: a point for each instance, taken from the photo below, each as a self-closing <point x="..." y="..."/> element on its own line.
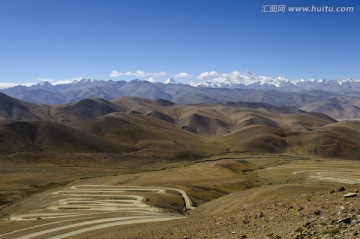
<point x="85" y="208"/>
<point x="82" y="210"/>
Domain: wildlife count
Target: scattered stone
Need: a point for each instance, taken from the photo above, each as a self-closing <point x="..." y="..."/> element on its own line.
<point x="326" y="216"/>
<point x="271" y="235"/>
<point x="260" y="215"/>
<point x="350" y="195"/>
<point x="346" y="220"/>
<point x="341" y="189"/>
<point x="317" y="212"/>
<point x="340" y="209"/>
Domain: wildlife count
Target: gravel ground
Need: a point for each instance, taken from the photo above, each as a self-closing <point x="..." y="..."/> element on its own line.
<point x="324" y="214"/>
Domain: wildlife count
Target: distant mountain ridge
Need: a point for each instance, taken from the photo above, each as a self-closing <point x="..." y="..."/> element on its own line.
<point x="337" y="98"/>
<point x="248" y="80"/>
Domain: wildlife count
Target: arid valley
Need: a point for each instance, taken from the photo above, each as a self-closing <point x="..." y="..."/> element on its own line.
<point x="181" y="119"/>
<point x="137" y="168"/>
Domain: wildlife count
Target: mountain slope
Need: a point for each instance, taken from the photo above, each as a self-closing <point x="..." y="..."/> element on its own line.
<point x="337" y="107"/>
<point x="88" y="108"/>
<point x="13" y="109"/>
<point x="52" y="137"/>
<point x="339" y="140"/>
<point x="162" y="129"/>
<point x="151" y="135"/>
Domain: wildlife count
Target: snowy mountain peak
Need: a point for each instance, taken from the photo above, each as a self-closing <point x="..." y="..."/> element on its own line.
<point x="85" y="81"/>
<point x="44" y="83"/>
<point x="170" y="81"/>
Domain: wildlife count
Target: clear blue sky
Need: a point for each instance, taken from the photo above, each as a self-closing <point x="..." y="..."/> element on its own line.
<point x="62" y="39"/>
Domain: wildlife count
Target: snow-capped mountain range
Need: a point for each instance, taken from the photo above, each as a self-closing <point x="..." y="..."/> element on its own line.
<point x="232" y="80"/>
<point x="338" y="98"/>
<point x="248" y="80"/>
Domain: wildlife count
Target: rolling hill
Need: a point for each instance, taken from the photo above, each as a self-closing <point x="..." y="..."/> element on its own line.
<point x="163" y="129"/>
<point x="13" y="109"/>
<point x="45" y="136"/>
<point x="339" y="140"/>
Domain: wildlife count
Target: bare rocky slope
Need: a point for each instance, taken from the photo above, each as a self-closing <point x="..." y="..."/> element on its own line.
<point x="326" y="213"/>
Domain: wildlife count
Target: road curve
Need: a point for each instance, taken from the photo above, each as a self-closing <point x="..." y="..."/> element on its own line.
<point x="96" y="224"/>
<point x="112" y="224"/>
<point x="84" y="208"/>
<point x="187" y="201"/>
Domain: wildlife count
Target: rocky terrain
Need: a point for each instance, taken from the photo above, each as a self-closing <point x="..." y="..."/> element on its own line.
<point x="329" y="213"/>
<point x="229" y="196"/>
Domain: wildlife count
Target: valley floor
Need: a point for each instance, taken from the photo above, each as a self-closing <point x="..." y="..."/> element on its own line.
<point x="227" y="196"/>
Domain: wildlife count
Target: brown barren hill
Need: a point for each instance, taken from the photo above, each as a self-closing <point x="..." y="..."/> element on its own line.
<point x="52" y="137"/>
<point x="164" y="129"/>
<point x="338" y="140"/>
<point x="88" y="108"/>
<point x="147" y="134"/>
<point x="14" y="109"/>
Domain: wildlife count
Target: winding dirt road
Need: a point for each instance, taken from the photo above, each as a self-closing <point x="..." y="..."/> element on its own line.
<point x="85" y="208"/>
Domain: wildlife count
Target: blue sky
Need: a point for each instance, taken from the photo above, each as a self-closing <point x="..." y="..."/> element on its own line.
<point x="65" y="39"/>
